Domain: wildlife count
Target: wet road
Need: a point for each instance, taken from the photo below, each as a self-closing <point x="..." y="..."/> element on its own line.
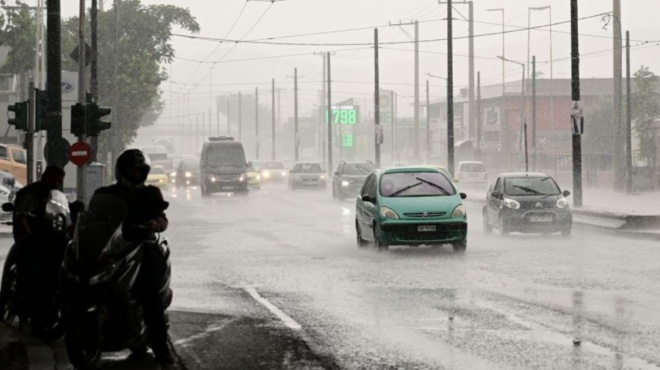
<point x="275" y="281"/>
<point x="522" y="302"/>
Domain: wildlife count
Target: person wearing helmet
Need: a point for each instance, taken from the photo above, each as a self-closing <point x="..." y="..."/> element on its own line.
<point x="144" y="219"/>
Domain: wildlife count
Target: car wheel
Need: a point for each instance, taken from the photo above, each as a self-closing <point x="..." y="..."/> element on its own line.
<point x="488" y="229"/>
<point x="566" y="231"/>
<point x="380" y="244"/>
<point x="334" y="193"/>
<point x="504" y="229"/>
<point x="460" y="247"/>
<point x="361" y="243"/>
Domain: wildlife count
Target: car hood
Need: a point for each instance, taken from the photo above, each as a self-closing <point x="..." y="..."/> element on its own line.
<point x="433" y="204"/>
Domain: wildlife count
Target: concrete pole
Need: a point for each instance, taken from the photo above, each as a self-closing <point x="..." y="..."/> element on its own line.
<point x="619" y="158"/>
<point x="82" y="98"/>
<point x="416" y="113"/>
<point x="377" y="98"/>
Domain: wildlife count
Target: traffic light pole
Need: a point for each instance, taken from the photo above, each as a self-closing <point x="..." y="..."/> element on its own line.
<point x="577" y="108"/>
<point x="94" y="83"/>
<point x="82" y="97"/>
<point x="29" y="134"/>
<point x="54" y="82"/>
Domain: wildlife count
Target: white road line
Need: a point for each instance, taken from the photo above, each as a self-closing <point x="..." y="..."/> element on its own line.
<point x="272" y="308"/>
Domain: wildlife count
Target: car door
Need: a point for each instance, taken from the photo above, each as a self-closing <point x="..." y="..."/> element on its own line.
<point x="495" y="203"/>
<point x="370" y="207"/>
<point x="361" y="208"/>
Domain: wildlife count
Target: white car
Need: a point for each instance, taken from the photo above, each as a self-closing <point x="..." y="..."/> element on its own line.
<point x="472" y="174"/>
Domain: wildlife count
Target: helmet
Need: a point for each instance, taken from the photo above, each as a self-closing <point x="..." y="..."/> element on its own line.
<point x="132" y="168"/>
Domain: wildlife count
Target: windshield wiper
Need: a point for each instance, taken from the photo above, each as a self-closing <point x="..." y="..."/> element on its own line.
<point x="529" y="190"/>
<point x="404" y="189"/>
<point x="445" y="192"/>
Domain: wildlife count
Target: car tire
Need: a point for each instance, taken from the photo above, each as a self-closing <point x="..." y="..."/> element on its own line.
<point x="488" y="229"/>
<point x="566" y="232"/>
<point x="504" y="229"/>
<point x="460" y="247"/>
<point x="380" y="245"/>
<point x="334" y="193"/>
<point x="361" y="243"/>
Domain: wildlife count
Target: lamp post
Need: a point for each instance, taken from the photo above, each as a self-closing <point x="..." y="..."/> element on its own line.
<point x="428" y="121"/>
<point x="523" y="124"/>
<point x="503" y="78"/>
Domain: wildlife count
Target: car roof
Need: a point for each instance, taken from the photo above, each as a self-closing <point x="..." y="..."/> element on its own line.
<point x="307" y="163"/>
<point x="523" y="174"/>
<point x="470" y="162"/>
<point x="410" y="169"/>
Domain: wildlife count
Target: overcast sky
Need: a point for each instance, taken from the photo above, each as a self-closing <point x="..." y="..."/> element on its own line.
<point x="352" y="66"/>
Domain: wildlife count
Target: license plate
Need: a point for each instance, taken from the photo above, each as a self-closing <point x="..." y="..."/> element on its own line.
<point x="540" y="218"/>
<point x="227" y="187"/>
<point x="426" y="228"/>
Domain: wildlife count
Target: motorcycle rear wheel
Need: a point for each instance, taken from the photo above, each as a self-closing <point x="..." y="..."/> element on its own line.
<point x="9" y="292"/>
<point x="83" y="339"/>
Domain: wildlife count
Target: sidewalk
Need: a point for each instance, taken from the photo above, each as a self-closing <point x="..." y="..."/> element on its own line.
<point x="643" y="204"/>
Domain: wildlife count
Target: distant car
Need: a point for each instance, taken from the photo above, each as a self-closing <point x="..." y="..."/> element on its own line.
<point x="528" y="203"/>
<point x="410" y="206"/>
<point x="187" y="173"/>
<point x="472" y="174"/>
<point x="440" y="168"/>
<point x="349" y="177"/>
<point x="158" y="177"/>
<point x="307" y="175"/>
<point x="253" y="176"/>
<point x="273" y="171"/>
<point x="167" y="164"/>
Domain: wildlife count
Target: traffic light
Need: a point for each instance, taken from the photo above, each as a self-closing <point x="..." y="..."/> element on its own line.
<point x="40" y="112"/>
<point x="78" y="119"/>
<point x="20" y="120"/>
<point x="94" y="123"/>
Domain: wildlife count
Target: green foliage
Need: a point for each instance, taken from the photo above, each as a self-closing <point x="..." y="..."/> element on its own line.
<point x="144" y="46"/>
<point x="645" y="111"/>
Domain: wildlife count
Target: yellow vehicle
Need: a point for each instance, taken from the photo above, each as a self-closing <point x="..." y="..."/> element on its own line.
<point x="254" y="177"/>
<point x="157" y="177"/>
<point x="13" y="159"/>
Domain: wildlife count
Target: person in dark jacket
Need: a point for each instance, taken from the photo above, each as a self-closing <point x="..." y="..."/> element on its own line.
<point x="144" y="219"/>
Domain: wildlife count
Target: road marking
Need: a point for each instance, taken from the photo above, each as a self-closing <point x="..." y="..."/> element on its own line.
<point x="272" y="308"/>
<point x="210" y="329"/>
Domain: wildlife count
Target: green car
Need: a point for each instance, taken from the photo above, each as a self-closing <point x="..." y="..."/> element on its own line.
<point x="410" y="206"/>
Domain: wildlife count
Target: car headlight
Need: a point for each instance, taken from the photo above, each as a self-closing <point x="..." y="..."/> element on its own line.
<point x="161" y="181"/>
<point x="188" y="174"/>
<point x="266" y="174"/>
<point x="388" y="213"/>
<point x="173" y="174"/>
<point x="283" y="173"/>
<point x="241" y="177"/>
<point x="345" y="183"/>
<point x="212" y="178"/>
<point x="459" y="211"/>
<point x="322" y="177"/>
<point x="258" y="177"/>
<point x="562" y="203"/>
<point x="510" y="203"/>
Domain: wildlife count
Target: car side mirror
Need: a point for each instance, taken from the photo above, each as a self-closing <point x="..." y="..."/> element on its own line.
<point x="496" y="194"/>
<point x="456" y="180"/>
<point x="367" y="198"/>
<point x="8" y="207"/>
<point x="463" y="195"/>
<point x="337" y="173"/>
<point x="566" y="193"/>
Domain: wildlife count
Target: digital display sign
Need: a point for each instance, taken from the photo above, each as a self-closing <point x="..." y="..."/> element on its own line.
<point x="343" y="115"/>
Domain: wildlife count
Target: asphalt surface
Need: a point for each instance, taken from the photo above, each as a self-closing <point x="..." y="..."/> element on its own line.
<point x="275" y="281"/>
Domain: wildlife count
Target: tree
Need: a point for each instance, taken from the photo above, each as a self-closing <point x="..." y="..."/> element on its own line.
<point x="144" y="47"/>
<point x="645" y="111"/>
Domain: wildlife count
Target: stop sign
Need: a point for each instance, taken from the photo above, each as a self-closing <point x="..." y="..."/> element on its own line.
<point x="80" y="153"/>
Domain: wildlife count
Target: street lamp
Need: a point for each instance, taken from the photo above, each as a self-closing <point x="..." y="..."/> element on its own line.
<point x="503" y="78"/>
<point x="523" y="124"/>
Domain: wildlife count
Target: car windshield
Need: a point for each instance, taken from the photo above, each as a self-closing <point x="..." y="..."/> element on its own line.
<point x="517" y="186"/>
<point x="473" y="167"/>
<point x="415" y="184"/>
<point x="273" y="165"/>
<point x="358" y="169"/>
<point x="307" y="168"/>
<point x="190" y="164"/>
<point x="226" y="156"/>
<point x="157" y="171"/>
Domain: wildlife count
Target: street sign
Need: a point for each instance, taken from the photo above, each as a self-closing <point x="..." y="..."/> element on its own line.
<point x="80" y="153"/>
<point x="58" y="149"/>
<point x="90" y="54"/>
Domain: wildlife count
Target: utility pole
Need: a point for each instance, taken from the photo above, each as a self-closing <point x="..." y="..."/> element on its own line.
<point x="240" y="117"/>
<point x="296" y="138"/>
<point x="256" y="120"/>
<point x="619" y="145"/>
<point x="577" y="108"/>
<point x="450" y="90"/>
<point x="54" y="84"/>
<point x="322" y="110"/>
<point x="503" y="103"/>
<point x="629" y="167"/>
<point x="377" y="137"/>
<point x="479" y="122"/>
<point x="82" y="97"/>
<point x="228" y="115"/>
<point x="329" y="109"/>
<point x="29" y="135"/>
<point x="116" y="114"/>
<point x="534" y="112"/>
<point x="416" y="117"/>
<point x="273" y="120"/>
<point x="94" y="82"/>
<point x="428" y="125"/>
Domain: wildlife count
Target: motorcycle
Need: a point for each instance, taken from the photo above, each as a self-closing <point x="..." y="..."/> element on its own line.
<point x="98" y="279"/>
<point x="29" y="286"/>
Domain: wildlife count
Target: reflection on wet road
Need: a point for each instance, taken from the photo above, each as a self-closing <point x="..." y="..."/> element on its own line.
<point x="521" y="302"/>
